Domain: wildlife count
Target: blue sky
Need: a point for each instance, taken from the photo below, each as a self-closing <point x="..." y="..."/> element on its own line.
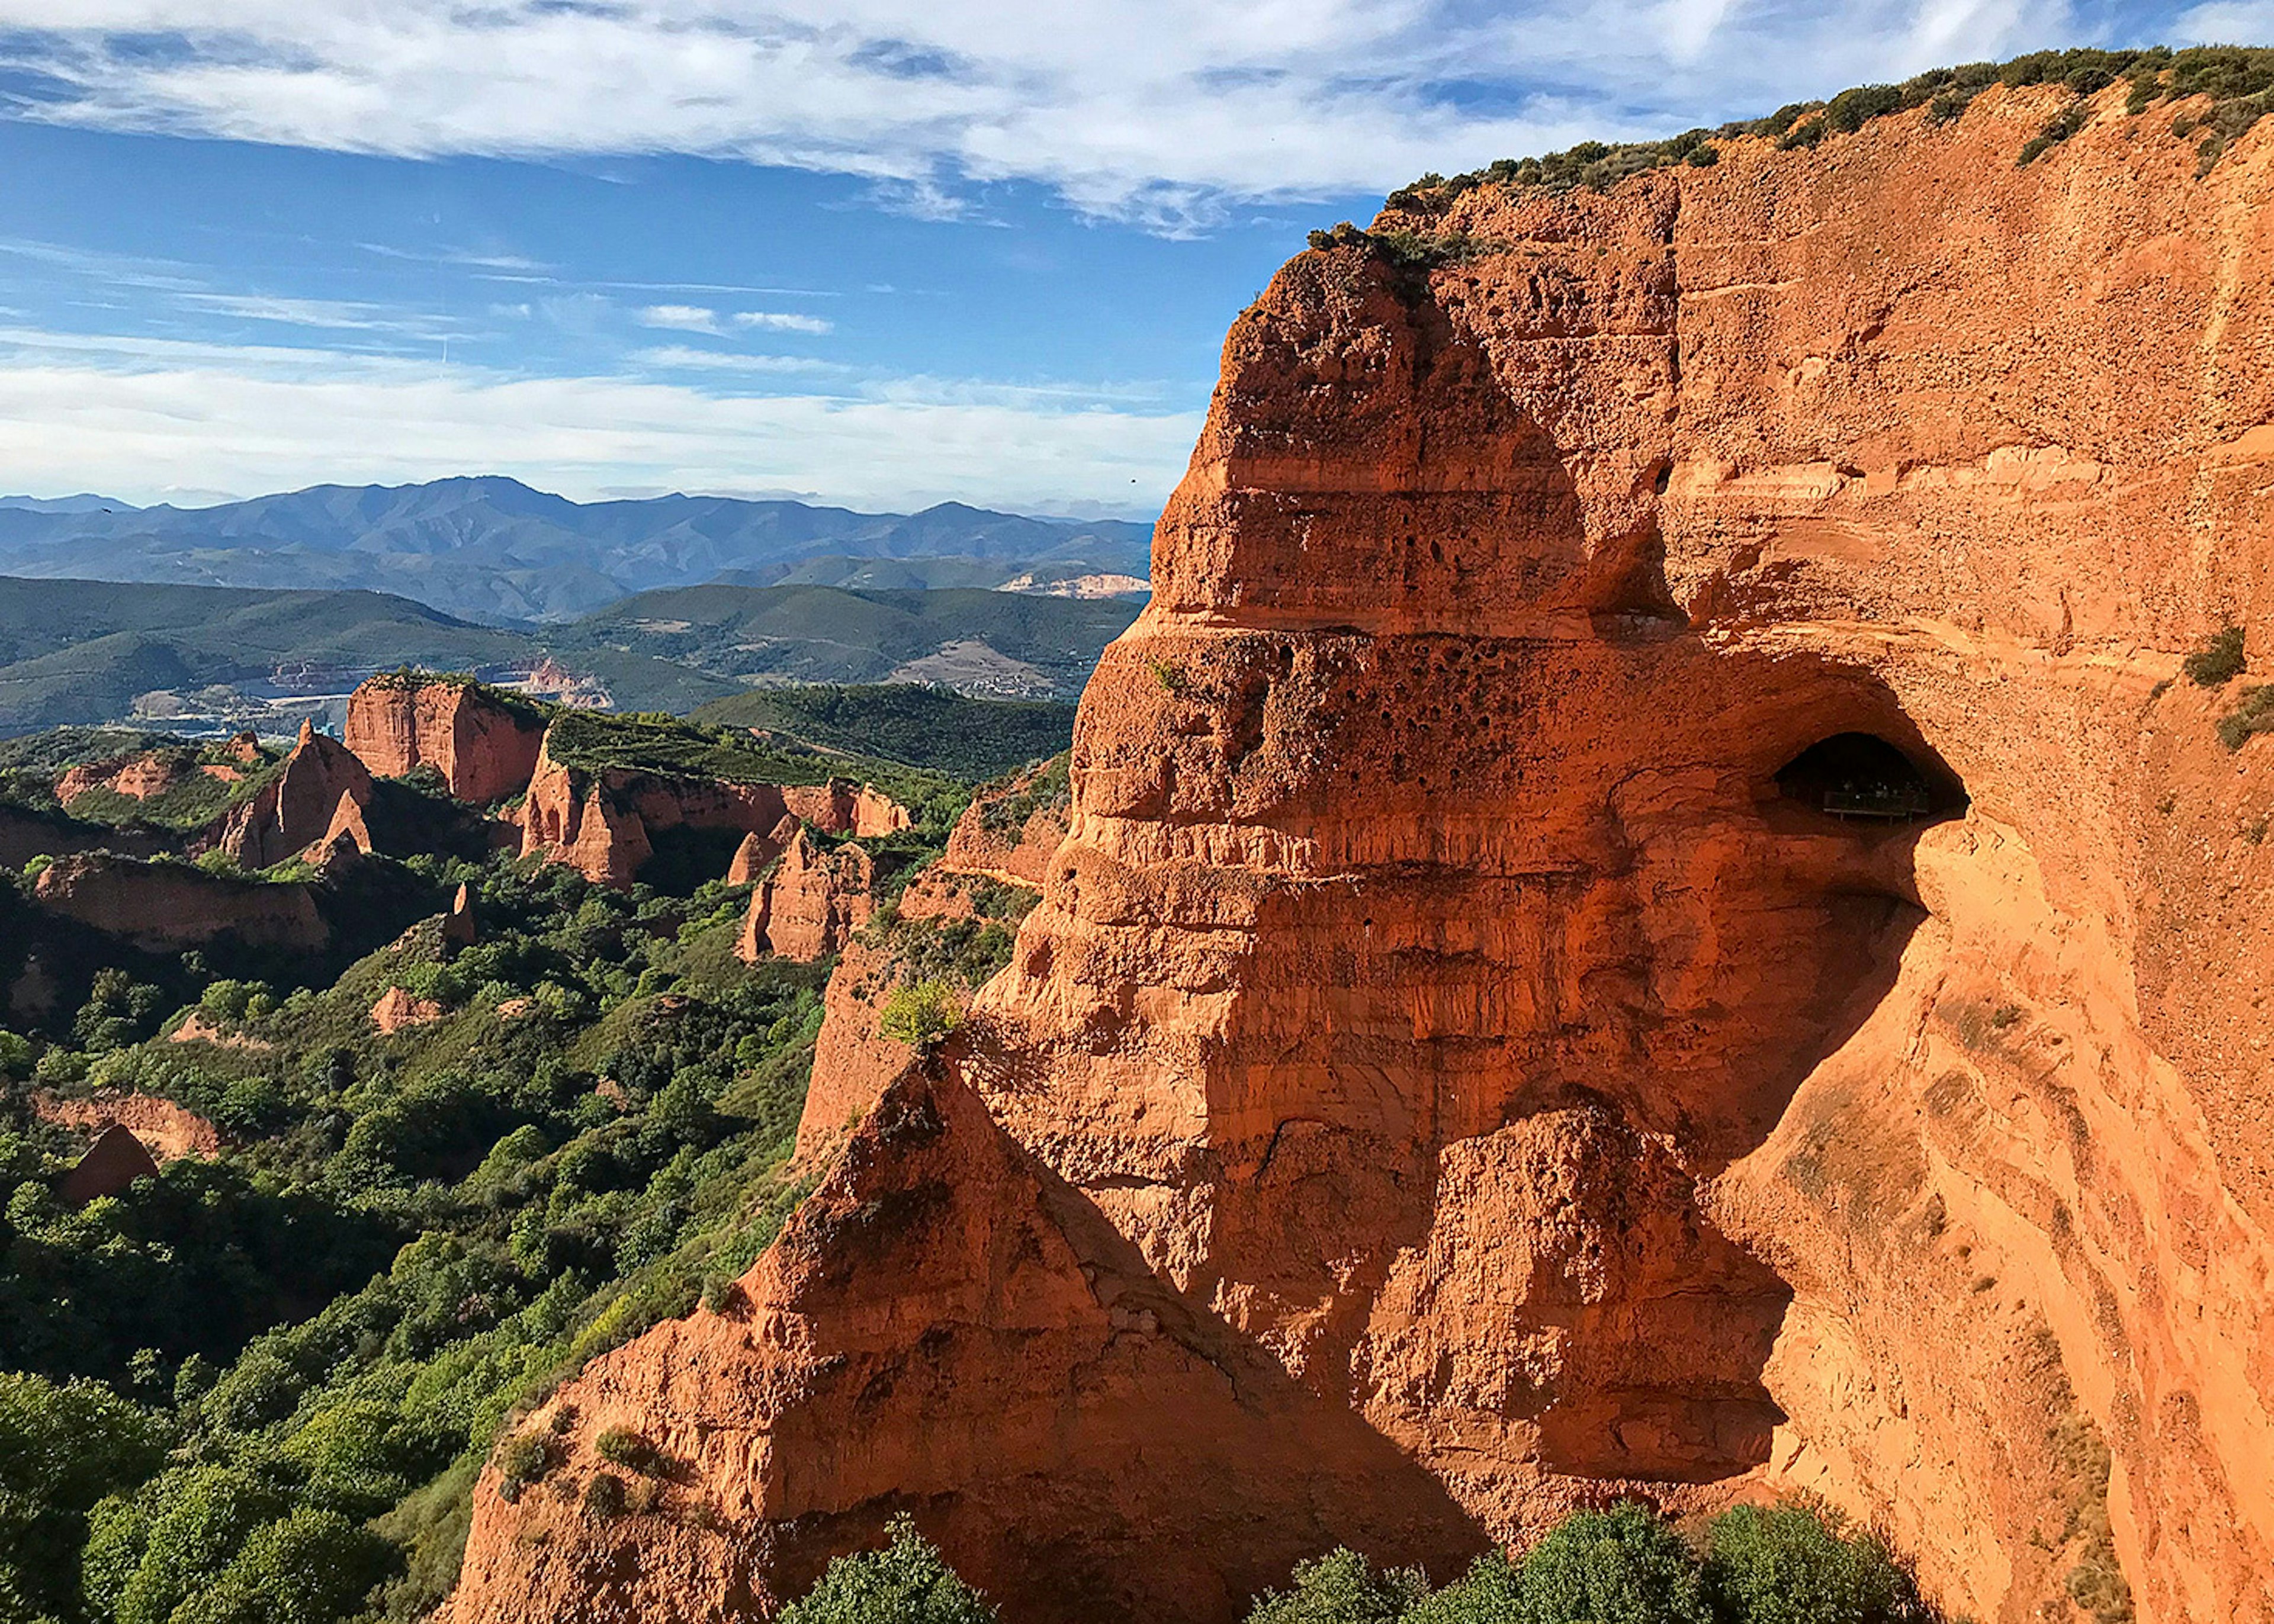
<point x="872" y="252"/>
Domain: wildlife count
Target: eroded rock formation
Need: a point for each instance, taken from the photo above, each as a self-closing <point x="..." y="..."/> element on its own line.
<point x="603" y="822"/>
<point x="167" y="906"/>
<point x="1496" y="1037"/>
<point x="811" y="904"/>
<point x="301" y="806"/>
<point x="852" y="1061"/>
<point x="485" y="747"/>
<point x="137" y="777"/>
<point x="160" y="1127"/>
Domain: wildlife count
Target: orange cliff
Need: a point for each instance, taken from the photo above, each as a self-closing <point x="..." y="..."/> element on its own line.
<point x="602" y="822"/>
<point x="1003" y="841"/>
<point x="484" y="746"/>
<point x="810" y="905"/>
<point x="1475" y="1055"/>
<point x="319" y="795"/>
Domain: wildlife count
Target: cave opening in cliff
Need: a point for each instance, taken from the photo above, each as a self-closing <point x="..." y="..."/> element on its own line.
<point x="1860" y="777"/>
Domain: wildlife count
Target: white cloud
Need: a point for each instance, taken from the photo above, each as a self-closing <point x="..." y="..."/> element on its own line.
<point x="333" y="315"/>
<point x="2232" y="22"/>
<point x="138" y="418"/>
<point x="678" y="318"/>
<point x="782" y="321"/>
<point x="1162" y="111"/>
<point x="685" y="358"/>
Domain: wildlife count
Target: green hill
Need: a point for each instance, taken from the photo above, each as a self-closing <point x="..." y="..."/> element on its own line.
<point x="922" y="726"/>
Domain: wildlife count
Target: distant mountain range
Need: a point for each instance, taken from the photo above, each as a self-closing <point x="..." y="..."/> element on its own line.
<point x="98" y="651"/>
<point x="494" y="550"/>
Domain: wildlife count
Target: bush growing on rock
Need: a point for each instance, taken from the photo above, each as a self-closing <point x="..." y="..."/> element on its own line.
<point x="908" y="1581"/>
<point x="1791" y="1565"/>
<point x="922" y="1013"/>
<point x="2217" y="660"/>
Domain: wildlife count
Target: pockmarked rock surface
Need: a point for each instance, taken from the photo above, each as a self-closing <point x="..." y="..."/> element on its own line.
<point x="1646" y="910"/>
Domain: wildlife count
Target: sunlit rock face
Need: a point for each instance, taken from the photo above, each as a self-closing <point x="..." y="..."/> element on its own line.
<point x="1642" y="915"/>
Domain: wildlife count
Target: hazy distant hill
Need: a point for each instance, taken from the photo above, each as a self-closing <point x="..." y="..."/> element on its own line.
<point x="993" y="644"/>
<point x="81" y="652"/>
<point x="492" y="549"/>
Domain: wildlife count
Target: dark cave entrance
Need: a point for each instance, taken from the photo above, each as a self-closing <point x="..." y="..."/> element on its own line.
<point x="1860" y="777"/>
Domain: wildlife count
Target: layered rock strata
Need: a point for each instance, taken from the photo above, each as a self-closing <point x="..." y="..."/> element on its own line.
<point x="1645" y="913"/>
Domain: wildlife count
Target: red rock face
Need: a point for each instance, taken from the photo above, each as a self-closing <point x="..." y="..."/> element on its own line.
<point x="812" y="904"/>
<point x="397" y="1009"/>
<point x="160" y="1127"/>
<point x="853" y="1062"/>
<point x="111" y="1164"/>
<point x="602" y="822"/>
<point x="301" y="806"/>
<point x="168" y="907"/>
<point x="484" y="750"/>
<point x="1010" y="831"/>
<point x="1447" y="998"/>
<point x="757" y="850"/>
<point x="138" y="777"/>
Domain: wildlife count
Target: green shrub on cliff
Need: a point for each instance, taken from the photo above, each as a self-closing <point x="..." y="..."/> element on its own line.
<point x="2219" y="659"/>
<point x="908" y="1581"/>
<point x="1788" y="1565"/>
<point x="2239" y="81"/>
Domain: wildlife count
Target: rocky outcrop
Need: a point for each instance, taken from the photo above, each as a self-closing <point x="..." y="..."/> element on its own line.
<point x="460" y="928"/>
<point x="1045" y="1360"/>
<point x="137" y="777"/>
<point x="484" y="744"/>
<point x="160" y="1127"/>
<point x="1646" y="912"/>
<point x="757" y="850"/>
<point x="852" y="1061"/>
<point x="300" y="806"/>
<point x="397" y="1010"/>
<point x="811" y="904"/>
<point x="109" y="1167"/>
<point x="198" y="1028"/>
<point x="1012" y="829"/>
<point x="168" y="907"/>
<point x="602" y="822"/>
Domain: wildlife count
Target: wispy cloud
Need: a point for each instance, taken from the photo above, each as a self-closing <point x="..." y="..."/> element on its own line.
<point x="682" y="358"/>
<point x="333" y="315"/>
<point x="782" y="321"/>
<point x="1162" y="112"/>
<point x="680" y="318"/>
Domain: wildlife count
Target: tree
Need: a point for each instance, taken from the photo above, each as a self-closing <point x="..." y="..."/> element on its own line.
<point x="1341" y="1589"/>
<point x="1793" y="1565"/>
<point x="908" y="1581"/>
<point x="1623" y="1566"/>
<point x="62" y="1447"/>
<point x="310" y="1567"/>
<point x="920" y="1014"/>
